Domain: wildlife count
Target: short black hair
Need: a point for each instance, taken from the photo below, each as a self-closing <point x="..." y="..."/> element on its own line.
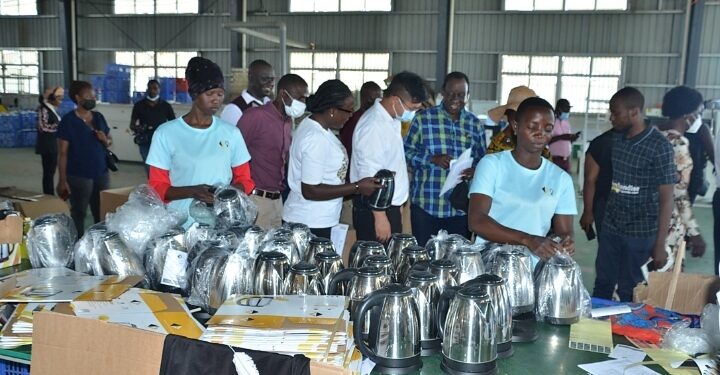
<point x="369" y="86"/>
<point x="155" y="81"/>
<point x="630" y="97"/>
<point x="290" y="80"/>
<point x="532" y="102"/>
<point x="257" y="64"/>
<point x="680" y="101"/>
<point x="330" y="94"/>
<point x="76" y="87"/>
<point x="410" y="82"/>
<point x="456" y="75"/>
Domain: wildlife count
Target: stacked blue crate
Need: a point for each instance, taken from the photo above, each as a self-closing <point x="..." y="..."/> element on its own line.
<point x="167" y="89"/>
<point x="13" y="368"/>
<point x="116" y="84"/>
<point x="10" y="126"/>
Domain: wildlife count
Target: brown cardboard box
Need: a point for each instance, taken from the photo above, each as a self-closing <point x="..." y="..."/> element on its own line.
<point x="692" y="294"/>
<point x="65" y="344"/>
<point x="32" y="204"/>
<point x="111" y="199"/>
<point x="11" y="229"/>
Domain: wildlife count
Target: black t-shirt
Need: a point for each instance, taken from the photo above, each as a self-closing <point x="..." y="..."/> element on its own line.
<point x="150" y="117"/>
<point x="601" y="151"/>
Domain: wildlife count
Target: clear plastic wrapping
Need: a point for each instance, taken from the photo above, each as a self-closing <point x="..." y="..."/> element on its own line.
<point x="202" y="213"/>
<point x="119" y="259"/>
<point x="691" y="341"/>
<point x="204" y="270"/>
<point x="234" y="277"/>
<point x="51" y="241"/>
<point x="166" y="262"/>
<point x="710" y="323"/>
<point x="281" y="244"/>
<point x="561" y="296"/>
<point x="468" y="259"/>
<point x="253" y="238"/>
<point x="301" y="236"/>
<point x="90" y="249"/>
<point x="442" y="245"/>
<point x="143" y="218"/>
<point x="6" y="205"/>
<point x="233" y="207"/>
<point x="198" y="232"/>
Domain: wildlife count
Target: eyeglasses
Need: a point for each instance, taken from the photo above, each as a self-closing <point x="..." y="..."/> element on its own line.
<point x="343" y="109"/>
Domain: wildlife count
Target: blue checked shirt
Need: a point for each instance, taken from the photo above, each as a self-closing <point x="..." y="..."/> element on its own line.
<point x="433" y="132"/>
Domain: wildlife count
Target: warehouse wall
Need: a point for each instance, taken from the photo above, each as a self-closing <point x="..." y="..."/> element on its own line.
<point x="709" y="66"/>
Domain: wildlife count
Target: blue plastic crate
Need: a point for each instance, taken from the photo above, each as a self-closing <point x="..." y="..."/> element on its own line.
<point x="116" y="84"/>
<point x="117" y="70"/>
<point x="29" y="120"/>
<point x="12" y="368"/>
<point x="183" y="97"/>
<point x="26" y="138"/>
<point x="8" y="139"/>
<point x="119" y="97"/>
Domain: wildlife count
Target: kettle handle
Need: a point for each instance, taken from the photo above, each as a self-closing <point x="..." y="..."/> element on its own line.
<point x="443" y="305"/>
<point x="371" y="300"/>
<point x="344" y="275"/>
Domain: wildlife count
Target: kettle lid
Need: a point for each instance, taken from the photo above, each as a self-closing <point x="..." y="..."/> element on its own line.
<point x="397" y="289"/>
<point x="443" y="263"/>
<point x="384" y="173"/>
<point x="320" y="240"/>
<point x="303" y="267"/>
<point x="402" y="236"/>
<point x="272" y="255"/>
<point x="488" y="279"/>
<point x="378" y="259"/>
<point x="327" y="255"/>
<point x="371" y="245"/>
<point x="414" y="250"/>
<point x="369" y="271"/>
<point x="473" y="292"/>
<point x="422" y="276"/>
<point x="227" y="194"/>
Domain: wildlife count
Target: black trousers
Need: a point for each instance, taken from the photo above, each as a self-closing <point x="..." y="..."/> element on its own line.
<point x="716" y="227"/>
<point x="49" y="163"/>
<point x="84" y="192"/>
<point x="364" y="221"/>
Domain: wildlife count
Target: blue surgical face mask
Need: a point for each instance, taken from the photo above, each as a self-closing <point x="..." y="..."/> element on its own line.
<point x="564" y="115"/>
<point x="407" y="115"/>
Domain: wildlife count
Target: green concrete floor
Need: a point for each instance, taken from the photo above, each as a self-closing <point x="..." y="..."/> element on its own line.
<point x="21" y="168"/>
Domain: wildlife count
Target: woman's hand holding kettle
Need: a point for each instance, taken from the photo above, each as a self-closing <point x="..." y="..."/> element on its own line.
<point x="367" y="186"/>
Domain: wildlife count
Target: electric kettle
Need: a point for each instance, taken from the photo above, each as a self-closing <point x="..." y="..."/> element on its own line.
<point x="495" y="287"/>
<point x="426" y="293"/>
<point x="511" y="264"/>
<point x="329" y="263"/>
<point x="317" y="245"/>
<point x="384" y="264"/>
<point x="558" y="291"/>
<point x="381" y="198"/>
<point x="410" y="255"/>
<point x="468" y="260"/>
<point x="362" y="281"/>
<point x="364" y="250"/>
<point x="398" y="242"/>
<point x="303" y="279"/>
<point x="271" y="269"/>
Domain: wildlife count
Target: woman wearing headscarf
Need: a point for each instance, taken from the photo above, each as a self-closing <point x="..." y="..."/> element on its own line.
<point x="319" y="163"/>
<point x="46" y="146"/>
<point x="194" y="152"/>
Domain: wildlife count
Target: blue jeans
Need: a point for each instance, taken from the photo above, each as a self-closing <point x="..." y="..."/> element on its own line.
<point x="425" y="225"/>
<point x="84" y="192"/>
<point x="618" y="262"/>
<point x="144" y="151"/>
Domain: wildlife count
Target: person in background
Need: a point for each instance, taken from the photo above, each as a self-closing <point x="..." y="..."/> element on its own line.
<point x="683" y="107"/>
<point x="438" y="135"/>
<point x="701" y="150"/>
<point x="637" y="217"/>
<point x="261" y="80"/>
<point x="318" y="162"/>
<point x="716" y="208"/>
<point x="596" y="184"/>
<point x="517" y="195"/>
<point x="561" y="142"/>
<point x="46" y="145"/>
<point x="369" y="93"/>
<point x="503" y="116"/>
<point x="147" y="115"/>
<point x="83" y="135"/>
<point x="3" y="109"/>
<point x="266" y="130"/>
<point x="193" y="153"/>
<point x="378" y="144"/>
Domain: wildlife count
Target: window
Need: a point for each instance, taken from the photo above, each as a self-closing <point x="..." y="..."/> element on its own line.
<point x="149" y="65"/>
<point x="18" y="7"/>
<point x="569" y="77"/>
<point x="318" y="6"/>
<point x="353" y="69"/>
<point x="156" y="6"/>
<point x="19" y="72"/>
<point x="540" y="5"/>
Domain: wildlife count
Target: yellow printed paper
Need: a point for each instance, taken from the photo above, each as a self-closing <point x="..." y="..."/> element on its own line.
<point x="591" y="335"/>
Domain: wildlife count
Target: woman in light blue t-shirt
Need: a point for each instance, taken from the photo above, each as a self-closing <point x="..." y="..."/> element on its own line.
<point x="517" y="196"/>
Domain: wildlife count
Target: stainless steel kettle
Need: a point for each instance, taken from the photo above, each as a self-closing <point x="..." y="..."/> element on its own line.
<point x="410" y="255"/>
<point x="329" y="263"/>
<point x="468" y="331"/>
<point x="558" y="291"/>
<point x="304" y="280"/>
<point x="511" y="264"/>
<point x="362" y="281"/>
<point x="301" y="236"/>
<point x="398" y="242"/>
<point x="283" y="245"/>
<point x="364" y="250"/>
<point x="495" y="287"/>
<point x="468" y="260"/>
<point x="394" y="341"/>
<point x="425" y="290"/>
<point x="271" y="269"/>
<point x="381" y="198"/>
<point x="384" y="264"/>
<point x="317" y="245"/>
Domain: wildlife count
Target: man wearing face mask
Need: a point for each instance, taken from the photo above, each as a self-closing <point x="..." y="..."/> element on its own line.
<point x="378" y="144"/>
<point x="561" y="143"/>
<point x="147" y="115"/>
<point x="266" y="130"/>
<point x="261" y="80"/>
<point x="683" y="107"/>
<point x="437" y="136"/>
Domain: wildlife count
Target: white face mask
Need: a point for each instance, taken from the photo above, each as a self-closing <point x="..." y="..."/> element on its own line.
<point x="153" y="98"/>
<point x="296" y="107"/>
<point x="407" y="115"/>
<point x="695" y="126"/>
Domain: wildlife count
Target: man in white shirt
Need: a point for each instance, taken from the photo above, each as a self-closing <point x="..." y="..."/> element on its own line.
<point x="261" y="81"/>
<point x="377" y="144"/>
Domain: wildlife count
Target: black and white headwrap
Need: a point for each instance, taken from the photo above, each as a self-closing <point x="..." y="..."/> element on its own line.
<point x="203" y="75"/>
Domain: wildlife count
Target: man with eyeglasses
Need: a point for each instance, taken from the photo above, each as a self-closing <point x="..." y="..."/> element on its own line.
<point x="377" y="144"/>
<point x="261" y="81"/>
<point x="437" y="136"/>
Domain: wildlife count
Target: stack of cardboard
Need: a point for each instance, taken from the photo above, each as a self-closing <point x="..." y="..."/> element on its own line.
<point x="316" y="326"/>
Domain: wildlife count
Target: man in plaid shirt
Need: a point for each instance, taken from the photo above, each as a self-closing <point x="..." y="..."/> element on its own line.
<point x="437" y="136"/>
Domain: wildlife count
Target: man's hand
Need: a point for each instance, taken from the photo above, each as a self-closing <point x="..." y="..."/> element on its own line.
<point x="442" y="161"/>
<point x="63" y="190"/>
<point x="697" y="246"/>
<point x="203" y="194"/>
<point x="586" y="220"/>
<point x="468" y="174"/>
<point x="659" y="256"/>
<point x="543" y="247"/>
<point x="382" y="228"/>
<point x="568" y="245"/>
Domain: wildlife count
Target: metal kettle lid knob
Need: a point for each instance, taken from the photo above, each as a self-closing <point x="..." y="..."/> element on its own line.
<point x="422" y="276"/>
<point x="303" y="268"/>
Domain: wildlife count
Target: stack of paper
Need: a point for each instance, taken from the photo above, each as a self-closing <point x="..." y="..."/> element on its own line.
<point x="18" y="329"/>
<point x="317" y="326"/>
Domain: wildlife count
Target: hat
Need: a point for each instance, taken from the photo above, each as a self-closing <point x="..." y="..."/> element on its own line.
<point x="203" y="75"/>
<point x="516" y="96"/>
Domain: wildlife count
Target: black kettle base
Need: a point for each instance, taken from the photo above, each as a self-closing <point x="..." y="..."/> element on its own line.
<point x="398" y="370"/>
<point x="524" y="328"/>
<point x="505" y="350"/>
<point x="458" y="368"/>
<point x="562" y="321"/>
<point x="430" y="347"/>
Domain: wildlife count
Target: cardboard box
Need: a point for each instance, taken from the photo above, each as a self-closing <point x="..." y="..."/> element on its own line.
<point x="32" y="204"/>
<point x="65" y="344"/>
<point x="111" y="199"/>
<point x="692" y="294"/>
<point x="11" y="229"/>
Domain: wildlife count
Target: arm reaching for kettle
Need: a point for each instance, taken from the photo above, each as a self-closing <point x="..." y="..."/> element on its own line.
<point x="323" y="192"/>
<point x="486" y="227"/>
<point x="563" y="227"/>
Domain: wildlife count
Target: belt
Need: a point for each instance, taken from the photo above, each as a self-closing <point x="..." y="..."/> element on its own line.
<point x="267" y="194"/>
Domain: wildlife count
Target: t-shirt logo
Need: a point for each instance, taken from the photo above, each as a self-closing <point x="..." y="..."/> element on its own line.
<point x="548" y="191"/>
<point x="224" y="144"/>
<point x="619" y="188"/>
